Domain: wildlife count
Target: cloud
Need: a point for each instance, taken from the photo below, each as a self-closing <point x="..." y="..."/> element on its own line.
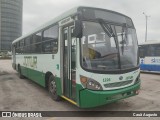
<point x="37" y="12"/>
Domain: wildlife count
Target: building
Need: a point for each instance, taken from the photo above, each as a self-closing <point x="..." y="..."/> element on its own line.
<point x="10" y="22"/>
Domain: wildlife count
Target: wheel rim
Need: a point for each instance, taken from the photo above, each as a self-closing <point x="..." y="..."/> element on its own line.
<point x="53" y="87"/>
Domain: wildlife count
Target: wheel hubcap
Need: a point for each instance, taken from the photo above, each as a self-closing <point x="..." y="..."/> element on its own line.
<point x="53" y="87"/>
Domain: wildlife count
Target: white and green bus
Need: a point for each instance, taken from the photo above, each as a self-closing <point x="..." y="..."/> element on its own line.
<point x="88" y="56"/>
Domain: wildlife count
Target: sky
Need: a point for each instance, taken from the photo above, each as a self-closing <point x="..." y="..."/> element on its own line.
<point x="38" y="12"/>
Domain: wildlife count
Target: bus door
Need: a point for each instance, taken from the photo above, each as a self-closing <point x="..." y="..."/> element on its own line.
<point x="69" y="63"/>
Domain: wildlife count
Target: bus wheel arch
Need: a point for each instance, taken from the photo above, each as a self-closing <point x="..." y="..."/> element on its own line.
<point x="51" y="86"/>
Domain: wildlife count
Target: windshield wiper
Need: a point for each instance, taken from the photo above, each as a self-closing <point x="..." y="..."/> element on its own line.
<point x="107" y="28"/>
<point x="123" y="37"/>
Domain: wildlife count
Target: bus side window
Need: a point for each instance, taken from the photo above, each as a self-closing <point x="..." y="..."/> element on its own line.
<point x="21" y="49"/>
<point x="37" y="43"/>
<point x="157" y="50"/>
<point x="27" y="48"/>
<point x="50" y="40"/>
<point x="142" y="51"/>
<point x="17" y="47"/>
<point x="151" y="50"/>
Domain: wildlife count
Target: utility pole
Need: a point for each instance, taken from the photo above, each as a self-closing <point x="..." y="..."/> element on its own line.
<point x="146" y="17"/>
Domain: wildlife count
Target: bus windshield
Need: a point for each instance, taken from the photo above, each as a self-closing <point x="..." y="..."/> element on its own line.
<point x="106" y="49"/>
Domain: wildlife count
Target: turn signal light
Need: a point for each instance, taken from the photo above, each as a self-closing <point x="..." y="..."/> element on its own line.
<point x="83" y="79"/>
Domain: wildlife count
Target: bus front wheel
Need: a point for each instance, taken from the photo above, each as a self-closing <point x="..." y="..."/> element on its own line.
<point x="53" y="88"/>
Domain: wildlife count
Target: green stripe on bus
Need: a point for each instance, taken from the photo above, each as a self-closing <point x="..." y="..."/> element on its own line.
<point x="89" y="98"/>
<point x="39" y="78"/>
<point x="36" y="76"/>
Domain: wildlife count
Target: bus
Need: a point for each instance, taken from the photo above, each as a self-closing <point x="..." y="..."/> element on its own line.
<point x="87" y="56"/>
<point x="150" y="56"/>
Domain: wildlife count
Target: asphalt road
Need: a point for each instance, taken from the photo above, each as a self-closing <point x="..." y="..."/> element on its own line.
<point x="24" y="95"/>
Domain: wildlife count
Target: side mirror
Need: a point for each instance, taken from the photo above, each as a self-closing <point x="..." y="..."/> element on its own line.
<point x="77" y="32"/>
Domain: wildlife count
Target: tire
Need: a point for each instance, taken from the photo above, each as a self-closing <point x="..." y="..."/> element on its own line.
<point x="19" y="73"/>
<point x="52" y="88"/>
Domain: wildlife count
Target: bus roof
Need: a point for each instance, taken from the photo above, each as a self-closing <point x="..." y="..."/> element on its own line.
<point x="57" y="19"/>
<point x="53" y="21"/>
<point x="149" y="42"/>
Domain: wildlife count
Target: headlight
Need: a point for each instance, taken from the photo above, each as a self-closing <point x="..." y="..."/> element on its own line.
<point x="90" y="83"/>
<point x="137" y="79"/>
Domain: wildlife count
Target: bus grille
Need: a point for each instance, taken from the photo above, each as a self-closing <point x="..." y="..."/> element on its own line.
<point x="118" y="84"/>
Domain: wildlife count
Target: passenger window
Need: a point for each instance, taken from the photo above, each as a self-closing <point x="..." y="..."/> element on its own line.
<point x="36" y="46"/>
<point x="157" y="50"/>
<point x="28" y="41"/>
<point x="37" y="38"/>
<point x="50" y="40"/>
<point x="142" y="51"/>
<point x="27" y="48"/>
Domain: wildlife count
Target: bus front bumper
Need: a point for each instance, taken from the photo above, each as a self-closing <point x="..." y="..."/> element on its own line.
<point x="89" y="98"/>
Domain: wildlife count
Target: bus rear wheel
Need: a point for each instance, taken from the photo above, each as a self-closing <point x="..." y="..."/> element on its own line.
<point x="20" y="73"/>
<point x="52" y="88"/>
